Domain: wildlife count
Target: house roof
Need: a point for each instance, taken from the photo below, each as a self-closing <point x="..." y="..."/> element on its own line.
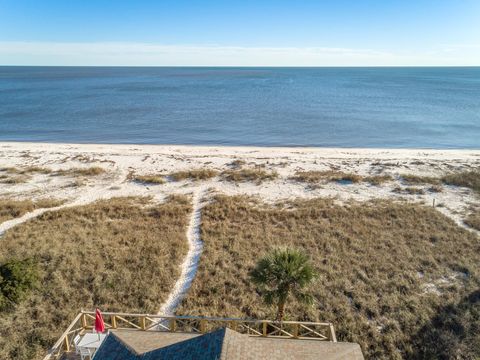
<point x="221" y="344"/>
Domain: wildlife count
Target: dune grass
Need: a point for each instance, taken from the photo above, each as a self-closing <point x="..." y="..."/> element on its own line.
<point x="246" y="174"/>
<point x="325" y="176"/>
<point x="387" y="271"/>
<point x="13" y="179"/>
<point x="26" y="170"/>
<point x="419" y="180"/>
<point x="10" y="208"/>
<point x="315" y="177"/>
<point x="377" y="179"/>
<point x="409" y="190"/>
<point x="74" y="172"/>
<point x="149" y="179"/>
<point x="121" y="254"/>
<point x="194" y="174"/>
<point x="469" y="179"/>
<point x="473" y="220"/>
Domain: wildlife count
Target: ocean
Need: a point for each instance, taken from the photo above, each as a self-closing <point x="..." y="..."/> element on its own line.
<point x="322" y="107"/>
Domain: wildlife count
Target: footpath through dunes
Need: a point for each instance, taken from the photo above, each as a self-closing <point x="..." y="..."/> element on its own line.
<point x="190" y="264"/>
<point x="86" y="196"/>
<point x="388" y="271"/>
<point x="121" y="254"/>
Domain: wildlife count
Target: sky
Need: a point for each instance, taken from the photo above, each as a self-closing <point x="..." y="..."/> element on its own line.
<point x="240" y="33"/>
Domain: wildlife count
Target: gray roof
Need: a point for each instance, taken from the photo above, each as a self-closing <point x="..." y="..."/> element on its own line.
<point x="221" y="344"/>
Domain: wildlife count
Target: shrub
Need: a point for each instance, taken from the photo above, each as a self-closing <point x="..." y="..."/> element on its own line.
<point x="17" y="278"/>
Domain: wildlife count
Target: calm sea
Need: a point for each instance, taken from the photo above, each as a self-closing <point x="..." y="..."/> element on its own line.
<point x="336" y="107"/>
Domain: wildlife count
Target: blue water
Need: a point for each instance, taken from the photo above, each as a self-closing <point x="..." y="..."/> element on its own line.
<point x="341" y="107"/>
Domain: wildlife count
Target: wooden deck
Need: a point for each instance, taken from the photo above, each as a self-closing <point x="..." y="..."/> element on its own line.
<point x="147" y="323"/>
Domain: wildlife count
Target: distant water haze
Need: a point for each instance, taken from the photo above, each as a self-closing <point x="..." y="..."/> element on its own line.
<point x="322" y="107"/>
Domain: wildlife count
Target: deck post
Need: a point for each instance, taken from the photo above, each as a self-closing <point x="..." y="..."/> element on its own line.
<point x="332" y="336"/>
<point x="203" y="326"/>
<point x="67" y="343"/>
<point x="295" y="331"/>
<point x="142" y="322"/>
<point x="84" y="321"/>
<point x="114" y="321"/>
<point x="173" y="325"/>
<point x="264" y="328"/>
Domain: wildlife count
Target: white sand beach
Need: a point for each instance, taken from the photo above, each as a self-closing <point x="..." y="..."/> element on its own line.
<point x="120" y="161"/>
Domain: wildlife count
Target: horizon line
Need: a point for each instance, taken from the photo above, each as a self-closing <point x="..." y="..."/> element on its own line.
<point x="248" y="66"/>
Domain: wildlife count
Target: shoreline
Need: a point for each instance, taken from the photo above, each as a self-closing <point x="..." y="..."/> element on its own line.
<point x="214" y="149"/>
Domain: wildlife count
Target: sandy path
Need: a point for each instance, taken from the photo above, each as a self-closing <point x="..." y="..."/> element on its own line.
<point x="190" y="264"/>
<point x="87" y="197"/>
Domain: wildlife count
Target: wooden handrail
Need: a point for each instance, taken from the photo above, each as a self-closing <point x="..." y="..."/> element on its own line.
<point x="197" y="324"/>
<point x="61" y="340"/>
<point x="186" y="317"/>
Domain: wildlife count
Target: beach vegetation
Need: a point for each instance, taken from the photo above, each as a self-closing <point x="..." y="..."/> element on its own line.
<point x="473" y="220"/>
<point x="13" y="208"/>
<point x="13" y="179"/>
<point x="257" y="175"/>
<point x="26" y="170"/>
<point x="325" y="176"/>
<point x="389" y="271"/>
<point x="409" y="190"/>
<point x="410" y="179"/>
<point x="121" y="254"/>
<point x="436" y="188"/>
<point x="73" y="172"/>
<point x="281" y="274"/>
<point x="469" y="179"/>
<point x="377" y="179"/>
<point x="237" y="163"/>
<point x="149" y="179"/>
<point x="17" y="278"/>
<point x="194" y="174"/>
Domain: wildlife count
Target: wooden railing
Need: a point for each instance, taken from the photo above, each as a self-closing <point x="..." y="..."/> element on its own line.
<point x="85" y="320"/>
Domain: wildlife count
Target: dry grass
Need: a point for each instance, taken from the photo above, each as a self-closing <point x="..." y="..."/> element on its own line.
<point x="73" y="172"/>
<point x="13" y="175"/>
<point x="435" y="188"/>
<point x="470" y="179"/>
<point x="13" y="179"/>
<point x="315" y="177"/>
<point x="149" y="179"/>
<point x="377" y="179"/>
<point x="10" y="209"/>
<point x="473" y="220"/>
<point x="121" y="254"/>
<point x="255" y="175"/>
<point x="27" y="170"/>
<point x="194" y="174"/>
<point x="325" y="176"/>
<point x="237" y="163"/>
<point x="418" y="180"/>
<point x="409" y="190"/>
<point x="374" y="259"/>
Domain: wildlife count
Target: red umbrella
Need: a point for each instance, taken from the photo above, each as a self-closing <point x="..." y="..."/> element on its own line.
<point x="99" y="324"/>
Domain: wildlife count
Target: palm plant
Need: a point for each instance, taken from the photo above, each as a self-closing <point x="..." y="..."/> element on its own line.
<point x="283" y="273"/>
